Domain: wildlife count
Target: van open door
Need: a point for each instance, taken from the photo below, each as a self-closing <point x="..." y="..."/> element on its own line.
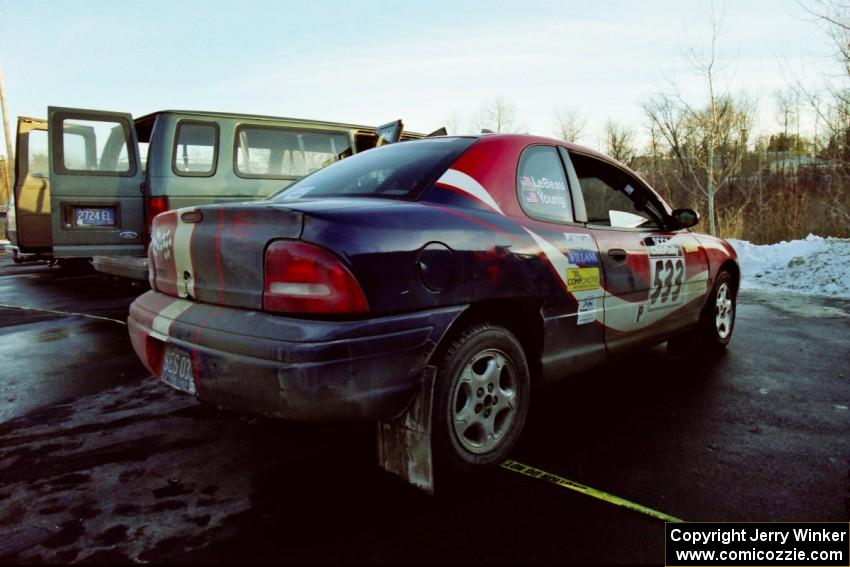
<point x="389" y="133"/>
<point x="96" y="176"/>
<point x="29" y="216"/>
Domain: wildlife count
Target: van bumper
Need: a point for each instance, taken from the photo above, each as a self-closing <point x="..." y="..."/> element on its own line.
<point x="299" y="369"/>
<point x="132" y="267"/>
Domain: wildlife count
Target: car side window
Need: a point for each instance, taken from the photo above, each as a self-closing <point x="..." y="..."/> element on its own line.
<point x="612" y="197"/>
<point x="542" y="185"/>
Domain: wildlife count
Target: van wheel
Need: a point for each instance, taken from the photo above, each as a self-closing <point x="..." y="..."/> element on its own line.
<point x="481" y="398"/>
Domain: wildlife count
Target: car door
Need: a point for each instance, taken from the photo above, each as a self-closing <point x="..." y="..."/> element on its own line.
<point x="30" y="226"/>
<point x="572" y="315"/>
<point x="655" y="277"/>
<point x="95" y="183"/>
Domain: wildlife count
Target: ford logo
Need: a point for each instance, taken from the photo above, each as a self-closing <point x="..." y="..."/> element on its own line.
<point x="129" y="234"/>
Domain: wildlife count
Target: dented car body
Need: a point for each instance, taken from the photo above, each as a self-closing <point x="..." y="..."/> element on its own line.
<point x="502" y="260"/>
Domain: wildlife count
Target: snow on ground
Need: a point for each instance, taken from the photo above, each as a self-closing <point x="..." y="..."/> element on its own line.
<point x="814" y="265"/>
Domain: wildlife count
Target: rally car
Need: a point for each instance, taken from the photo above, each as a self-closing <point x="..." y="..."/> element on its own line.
<point x="504" y="261"/>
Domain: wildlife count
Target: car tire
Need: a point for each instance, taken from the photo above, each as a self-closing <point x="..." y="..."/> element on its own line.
<point x="716" y="324"/>
<point x="481" y="398"/>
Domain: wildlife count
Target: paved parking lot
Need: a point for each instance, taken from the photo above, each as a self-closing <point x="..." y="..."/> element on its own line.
<point x="99" y="461"/>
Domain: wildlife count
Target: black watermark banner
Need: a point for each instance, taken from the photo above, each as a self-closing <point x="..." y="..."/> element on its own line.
<point x="816" y="544"/>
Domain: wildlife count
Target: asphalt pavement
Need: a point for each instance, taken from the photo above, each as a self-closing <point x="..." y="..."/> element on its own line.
<point x="101" y="462"/>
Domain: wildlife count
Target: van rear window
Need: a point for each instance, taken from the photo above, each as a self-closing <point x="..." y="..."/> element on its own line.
<point x="286" y="153"/>
<point x="95" y="146"/>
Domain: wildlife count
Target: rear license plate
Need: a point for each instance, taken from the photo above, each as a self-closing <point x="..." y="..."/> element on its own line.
<point x="94" y="216"/>
<point x="177" y="369"/>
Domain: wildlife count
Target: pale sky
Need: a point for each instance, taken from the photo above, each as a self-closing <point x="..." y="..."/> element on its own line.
<point x="371" y="62"/>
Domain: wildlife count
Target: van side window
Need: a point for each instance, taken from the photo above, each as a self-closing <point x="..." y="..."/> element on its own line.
<point x="542" y="185"/>
<point x="286" y="153"/>
<point x="195" y="149"/>
<point x="95" y="146"/>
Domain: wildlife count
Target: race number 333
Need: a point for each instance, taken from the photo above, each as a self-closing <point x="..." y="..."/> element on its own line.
<point x="667" y="281"/>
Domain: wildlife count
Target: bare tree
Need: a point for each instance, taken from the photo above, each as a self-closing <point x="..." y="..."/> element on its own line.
<point x="707" y="141"/>
<point x="834" y="17"/>
<point x="620" y="142"/>
<point x="569" y="124"/>
<point x="788" y="108"/>
<point x="453" y="123"/>
<point x="830" y="102"/>
<point x="499" y="115"/>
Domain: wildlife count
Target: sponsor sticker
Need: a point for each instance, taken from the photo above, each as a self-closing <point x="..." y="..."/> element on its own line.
<point x="586" y="312"/>
<point x="583" y="257"/>
<point x="579" y="240"/>
<point x="582" y="279"/>
<point x="660" y="246"/>
<point x="581" y="249"/>
<point x="161" y="242"/>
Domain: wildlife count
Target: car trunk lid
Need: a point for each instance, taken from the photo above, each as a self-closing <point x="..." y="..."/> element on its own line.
<point x="215" y="253"/>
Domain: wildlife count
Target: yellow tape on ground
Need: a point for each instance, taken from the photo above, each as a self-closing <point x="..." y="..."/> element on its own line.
<point x="598" y="494"/>
<point x="65" y="313"/>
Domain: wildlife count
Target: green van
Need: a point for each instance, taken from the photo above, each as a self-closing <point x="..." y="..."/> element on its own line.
<point x="88" y="183"/>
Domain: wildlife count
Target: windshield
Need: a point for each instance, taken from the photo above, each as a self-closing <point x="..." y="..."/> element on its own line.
<point x="397" y="171"/>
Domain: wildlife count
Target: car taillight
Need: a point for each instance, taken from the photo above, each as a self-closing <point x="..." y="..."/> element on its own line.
<point x="303" y="278"/>
<point x="154" y="206"/>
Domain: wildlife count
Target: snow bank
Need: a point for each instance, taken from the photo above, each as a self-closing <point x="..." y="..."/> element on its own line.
<point x="814" y="265"/>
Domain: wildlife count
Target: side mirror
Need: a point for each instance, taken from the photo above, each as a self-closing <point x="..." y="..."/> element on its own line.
<point x="685" y="218"/>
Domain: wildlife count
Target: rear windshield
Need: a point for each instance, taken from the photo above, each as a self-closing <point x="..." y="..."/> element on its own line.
<point x="397" y="171"/>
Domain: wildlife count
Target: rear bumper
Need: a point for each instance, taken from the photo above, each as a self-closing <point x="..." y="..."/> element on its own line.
<point x="20" y="257"/>
<point x="91" y="250"/>
<point x="293" y="368"/>
<point x="132" y="267"/>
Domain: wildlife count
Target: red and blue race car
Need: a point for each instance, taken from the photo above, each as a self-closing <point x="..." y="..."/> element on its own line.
<point x="504" y="261"/>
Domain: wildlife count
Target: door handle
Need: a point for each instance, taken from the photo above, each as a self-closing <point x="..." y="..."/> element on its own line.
<point x="617" y="255"/>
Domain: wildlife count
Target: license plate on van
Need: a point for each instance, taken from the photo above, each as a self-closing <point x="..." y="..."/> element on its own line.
<point x="94" y="216"/>
<point x="177" y="369"/>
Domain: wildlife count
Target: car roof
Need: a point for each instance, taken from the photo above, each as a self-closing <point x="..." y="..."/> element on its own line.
<point x="535" y="139"/>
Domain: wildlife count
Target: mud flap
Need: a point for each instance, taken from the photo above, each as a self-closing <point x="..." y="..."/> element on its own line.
<point x="404" y="442"/>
